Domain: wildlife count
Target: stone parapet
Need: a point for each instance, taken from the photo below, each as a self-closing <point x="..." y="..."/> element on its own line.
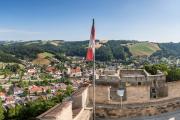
<point x="61" y="111"/>
<point x="70" y="109"/>
<point x="137" y="109"/>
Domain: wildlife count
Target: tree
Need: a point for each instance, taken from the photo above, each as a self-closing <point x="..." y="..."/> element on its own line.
<point x="10" y="91"/>
<point x="104" y="53"/>
<point x="69" y="90"/>
<point x="11" y="113"/>
<point x="154" y="68"/>
<point x="13" y="68"/>
<point x="1" y="111"/>
<point x="26" y="92"/>
<point x="173" y="74"/>
<point x="48" y="91"/>
<point x="7" y="73"/>
<point x="1" y="88"/>
<point x="21" y="73"/>
<point x="23" y="84"/>
<point x="61" y="67"/>
<point x="151" y="69"/>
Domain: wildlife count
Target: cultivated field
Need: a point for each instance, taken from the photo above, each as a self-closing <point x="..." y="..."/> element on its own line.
<point x="143" y="48"/>
<point x="42" y="58"/>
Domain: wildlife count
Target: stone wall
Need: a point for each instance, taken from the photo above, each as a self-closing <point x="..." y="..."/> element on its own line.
<point x="132" y="71"/>
<point x="61" y="111"/>
<point x="134" y="80"/>
<point x="158" y="77"/>
<point x="141" y="104"/>
<point x="133" y="77"/>
<point x="74" y="109"/>
<point x="109" y="72"/>
<point x="102" y="94"/>
<point x="85" y="114"/>
<point x="138" y="103"/>
<point x="174" y="89"/>
<point x="135" y="110"/>
<point x="138" y="93"/>
<point x="109" y="78"/>
<point x="80" y="98"/>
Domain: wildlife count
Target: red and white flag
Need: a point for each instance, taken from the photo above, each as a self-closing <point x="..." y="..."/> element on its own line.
<point x="91" y="49"/>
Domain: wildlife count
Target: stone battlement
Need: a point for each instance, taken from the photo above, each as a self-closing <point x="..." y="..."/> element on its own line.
<point x="77" y="108"/>
<point x="70" y="109"/>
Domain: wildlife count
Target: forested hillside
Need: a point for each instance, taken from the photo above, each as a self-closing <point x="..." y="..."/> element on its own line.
<point x="111" y="50"/>
<point x="171" y="48"/>
<point x="29" y="50"/>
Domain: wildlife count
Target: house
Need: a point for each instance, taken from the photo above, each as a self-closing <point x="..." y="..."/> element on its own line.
<point x="62" y="86"/>
<point x="37" y="89"/>
<point x="50" y="69"/>
<point x="17" y="90"/>
<point x="32" y="71"/>
<point x="75" y="84"/>
<point x="57" y="74"/>
<point x="9" y="100"/>
<point x="68" y="70"/>
<point x="83" y="79"/>
<point x="2" y="96"/>
<point x="76" y="72"/>
<point x="53" y="89"/>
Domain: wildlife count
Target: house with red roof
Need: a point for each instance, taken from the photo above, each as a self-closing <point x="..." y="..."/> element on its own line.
<point x="37" y="89"/>
<point x="76" y="72"/>
<point x="50" y="69"/>
<point x="2" y="96"/>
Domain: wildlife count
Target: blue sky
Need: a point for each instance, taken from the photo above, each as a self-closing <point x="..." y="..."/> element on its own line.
<point x="152" y="20"/>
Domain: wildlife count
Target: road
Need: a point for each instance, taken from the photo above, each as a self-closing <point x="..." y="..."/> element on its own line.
<point x="166" y="116"/>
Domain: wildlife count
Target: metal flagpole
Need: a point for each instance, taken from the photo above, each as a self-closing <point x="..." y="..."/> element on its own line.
<point x="94" y="92"/>
<point x="94" y="78"/>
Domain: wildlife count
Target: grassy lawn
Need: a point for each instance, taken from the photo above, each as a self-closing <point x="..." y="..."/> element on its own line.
<point x="45" y="54"/>
<point x="143" y="48"/>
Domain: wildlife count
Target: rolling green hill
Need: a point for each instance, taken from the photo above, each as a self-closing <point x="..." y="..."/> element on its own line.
<point x="107" y="51"/>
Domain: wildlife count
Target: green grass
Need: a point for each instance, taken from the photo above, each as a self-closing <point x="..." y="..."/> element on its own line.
<point x="41" y="58"/>
<point x="2" y="64"/>
<point x="45" y="54"/>
<point x="143" y="48"/>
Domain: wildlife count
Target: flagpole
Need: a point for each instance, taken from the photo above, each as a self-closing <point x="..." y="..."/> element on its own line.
<point x="90" y="56"/>
<point x="94" y="78"/>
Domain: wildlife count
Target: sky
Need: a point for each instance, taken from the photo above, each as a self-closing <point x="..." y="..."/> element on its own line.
<point x="144" y="20"/>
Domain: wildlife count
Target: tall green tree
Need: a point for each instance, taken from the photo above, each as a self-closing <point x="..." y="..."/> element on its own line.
<point x="21" y="73"/>
<point x="1" y="111"/>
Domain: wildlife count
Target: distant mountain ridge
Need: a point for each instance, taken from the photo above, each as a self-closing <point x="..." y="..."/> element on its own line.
<point x="106" y="51"/>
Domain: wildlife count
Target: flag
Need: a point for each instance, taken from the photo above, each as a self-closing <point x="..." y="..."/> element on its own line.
<point x="91" y="48"/>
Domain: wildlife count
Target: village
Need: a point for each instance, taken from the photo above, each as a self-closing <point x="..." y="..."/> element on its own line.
<point x="25" y="82"/>
<point x="28" y="82"/>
